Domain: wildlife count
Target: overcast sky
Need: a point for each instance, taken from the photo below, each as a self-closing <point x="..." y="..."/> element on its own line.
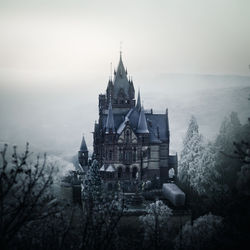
<point x="83" y="36"/>
<point x="63" y="49"/>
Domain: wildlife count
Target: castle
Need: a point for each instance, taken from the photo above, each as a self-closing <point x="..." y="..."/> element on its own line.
<point x="130" y="143"/>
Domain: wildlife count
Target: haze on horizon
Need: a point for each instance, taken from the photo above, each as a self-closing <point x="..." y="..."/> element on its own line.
<point x="55" y="58"/>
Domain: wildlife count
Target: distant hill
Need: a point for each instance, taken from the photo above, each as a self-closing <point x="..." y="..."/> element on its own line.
<point x="53" y="120"/>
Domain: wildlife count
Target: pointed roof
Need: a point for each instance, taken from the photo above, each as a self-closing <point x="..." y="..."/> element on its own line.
<point x="110" y="169"/>
<point x="102" y="168"/>
<point x="83" y="146"/>
<point x="121" y="71"/>
<point x="110" y="84"/>
<point x="142" y="127"/>
<point x="138" y="103"/>
<point x="110" y="125"/>
<point x="121" y="79"/>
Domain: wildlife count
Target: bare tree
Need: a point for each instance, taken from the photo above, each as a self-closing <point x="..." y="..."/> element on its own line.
<point x="24" y="193"/>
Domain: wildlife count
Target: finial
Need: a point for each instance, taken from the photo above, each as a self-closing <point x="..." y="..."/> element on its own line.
<point x="120" y="49"/>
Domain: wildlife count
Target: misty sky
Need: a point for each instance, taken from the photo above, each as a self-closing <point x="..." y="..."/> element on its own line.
<point x="55" y="56"/>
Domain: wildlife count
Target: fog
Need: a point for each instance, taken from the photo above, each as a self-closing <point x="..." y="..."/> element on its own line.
<point x="54" y="119"/>
<point x="190" y="57"/>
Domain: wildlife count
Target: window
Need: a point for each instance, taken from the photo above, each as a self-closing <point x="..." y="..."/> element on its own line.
<point x="134" y="172"/>
<point x="120" y="154"/>
<point x="127" y="135"/>
<point x="126" y="155"/>
<point x="171" y="173"/>
<point x="119" y="172"/>
<point x="134" y="154"/>
<point x="149" y="153"/>
<point x="110" y="154"/>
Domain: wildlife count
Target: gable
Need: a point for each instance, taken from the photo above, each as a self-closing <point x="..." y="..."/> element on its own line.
<point x="127" y="135"/>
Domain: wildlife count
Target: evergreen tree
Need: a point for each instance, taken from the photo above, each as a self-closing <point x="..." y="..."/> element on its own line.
<point x="190" y="154"/>
<point x="228" y="166"/>
<point x="205" y="174"/>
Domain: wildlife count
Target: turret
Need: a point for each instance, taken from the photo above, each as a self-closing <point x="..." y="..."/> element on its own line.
<point x="110" y="125"/>
<point x="123" y="89"/>
<point x="142" y="127"/>
<point x="138" y="103"/>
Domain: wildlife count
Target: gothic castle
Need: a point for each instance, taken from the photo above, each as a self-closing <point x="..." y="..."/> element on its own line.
<point x="129" y="142"/>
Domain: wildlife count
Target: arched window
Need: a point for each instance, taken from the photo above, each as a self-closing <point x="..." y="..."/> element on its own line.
<point x="134" y="172"/>
<point x="119" y="173"/>
<point x="171" y="173"/>
<point x="134" y="154"/>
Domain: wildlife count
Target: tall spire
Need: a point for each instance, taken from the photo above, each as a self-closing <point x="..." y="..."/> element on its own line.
<point x="142" y="127"/>
<point x="138" y="103"/>
<point x="110" y="125"/>
<point x="83" y="146"/>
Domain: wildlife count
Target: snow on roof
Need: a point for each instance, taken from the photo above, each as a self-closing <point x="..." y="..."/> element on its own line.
<point x="110" y="169"/>
<point x="102" y="168"/>
<point x="174" y="194"/>
<point x="123" y="124"/>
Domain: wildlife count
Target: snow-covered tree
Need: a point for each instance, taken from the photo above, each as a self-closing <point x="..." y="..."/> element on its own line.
<point x="190" y="154"/>
<point x="202" y="234"/>
<point x="198" y="163"/>
<point x="204" y="175"/>
<point x="156" y="223"/>
<point x="229" y="132"/>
